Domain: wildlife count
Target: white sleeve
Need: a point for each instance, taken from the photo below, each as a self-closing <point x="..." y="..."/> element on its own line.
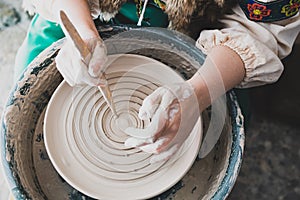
<point x="261" y="46"/>
<point x="44" y="8"/>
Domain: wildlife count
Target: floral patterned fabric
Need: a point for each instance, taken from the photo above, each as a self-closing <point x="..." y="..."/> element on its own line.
<point x="270" y="11"/>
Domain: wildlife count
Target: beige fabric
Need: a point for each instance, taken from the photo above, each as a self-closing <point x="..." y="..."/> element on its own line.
<point x="260" y="45"/>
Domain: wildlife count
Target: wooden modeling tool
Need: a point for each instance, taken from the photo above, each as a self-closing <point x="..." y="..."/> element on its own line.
<point x="85" y="52"/>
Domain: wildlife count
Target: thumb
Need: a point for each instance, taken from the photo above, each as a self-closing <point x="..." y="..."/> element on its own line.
<point x="157" y="124"/>
<point x="97" y="63"/>
<point x="151" y="103"/>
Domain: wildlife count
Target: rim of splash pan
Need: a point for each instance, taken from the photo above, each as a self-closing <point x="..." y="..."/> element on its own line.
<point x="238" y="135"/>
<point x="237" y="150"/>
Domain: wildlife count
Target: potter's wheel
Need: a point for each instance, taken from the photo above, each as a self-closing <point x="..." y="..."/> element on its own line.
<point x="86" y="143"/>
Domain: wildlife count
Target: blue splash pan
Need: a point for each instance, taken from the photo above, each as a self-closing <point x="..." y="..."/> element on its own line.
<point x="28" y="169"/>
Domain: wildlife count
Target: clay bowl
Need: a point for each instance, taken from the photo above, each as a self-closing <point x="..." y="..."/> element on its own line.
<point x="28" y="169"/>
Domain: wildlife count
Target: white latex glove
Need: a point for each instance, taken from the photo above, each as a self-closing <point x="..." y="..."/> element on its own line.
<point x="174" y="111"/>
<point x="77" y="70"/>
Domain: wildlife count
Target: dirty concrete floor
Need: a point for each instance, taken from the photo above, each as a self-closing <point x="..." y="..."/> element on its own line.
<point x="271" y="165"/>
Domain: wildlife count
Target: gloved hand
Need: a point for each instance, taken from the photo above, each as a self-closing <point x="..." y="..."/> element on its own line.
<point x="174" y="111"/>
<point x="77" y="70"/>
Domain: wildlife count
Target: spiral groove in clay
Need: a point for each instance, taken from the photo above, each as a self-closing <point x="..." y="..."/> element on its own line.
<point x="84" y="138"/>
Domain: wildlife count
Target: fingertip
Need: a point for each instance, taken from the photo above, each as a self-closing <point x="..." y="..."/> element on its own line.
<point x="164" y="156"/>
<point x="143" y="114"/>
<point x="128" y="130"/>
<point x="134" y="132"/>
<point x="93" y="71"/>
<point x="101" y="82"/>
<point x="130" y="142"/>
<point x="90" y="81"/>
<point x="154" y="147"/>
<point x="149" y="148"/>
<point x="70" y="82"/>
<point x="156" y="159"/>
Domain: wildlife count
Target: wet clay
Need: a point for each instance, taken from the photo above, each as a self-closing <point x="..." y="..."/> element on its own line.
<point x="27" y="166"/>
<point x="84" y="139"/>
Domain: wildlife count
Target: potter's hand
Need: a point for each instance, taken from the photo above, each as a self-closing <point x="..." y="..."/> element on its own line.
<point x="174" y="111"/>
<point x="77" y="70"/>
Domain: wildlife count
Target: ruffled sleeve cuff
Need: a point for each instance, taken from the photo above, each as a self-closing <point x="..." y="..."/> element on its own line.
<point x="262" y="65"/>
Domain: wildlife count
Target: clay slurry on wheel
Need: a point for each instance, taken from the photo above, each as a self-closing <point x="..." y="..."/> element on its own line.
<point x="88" y="137"/>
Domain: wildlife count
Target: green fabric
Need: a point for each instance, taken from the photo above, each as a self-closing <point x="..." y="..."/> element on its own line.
<point x="153" y="16"/>
<point x="41" y="34"/>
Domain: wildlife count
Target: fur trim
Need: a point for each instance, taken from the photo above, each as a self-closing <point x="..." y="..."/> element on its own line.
<point x="105" y="16"/>
<point x="110" y="6"/>
<point x="220" y="2"/>
<point x="180" y="12"/>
